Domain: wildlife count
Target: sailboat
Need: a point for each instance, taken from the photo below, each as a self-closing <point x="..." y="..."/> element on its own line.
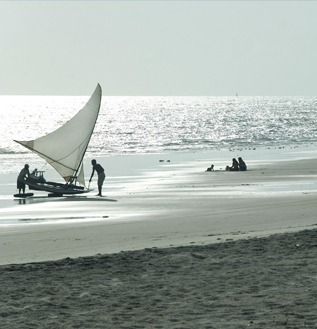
<point x="64" y="150"/>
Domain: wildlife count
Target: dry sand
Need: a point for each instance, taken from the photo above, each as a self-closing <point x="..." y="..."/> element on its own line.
<point x="253" y="283"/>
<point x="199" y="250"/>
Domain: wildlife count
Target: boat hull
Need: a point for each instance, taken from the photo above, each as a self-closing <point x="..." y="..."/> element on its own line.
<point x="56" y="189"/>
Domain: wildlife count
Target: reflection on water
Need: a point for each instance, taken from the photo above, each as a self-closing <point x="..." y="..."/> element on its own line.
<point x="48" y="210"/>
<point x="61" y="218"/>
<point x="42" y="199"/>
<point x="134" y="125"/>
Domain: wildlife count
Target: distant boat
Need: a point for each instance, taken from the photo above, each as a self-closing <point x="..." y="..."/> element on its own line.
<point x="64" y="150"/>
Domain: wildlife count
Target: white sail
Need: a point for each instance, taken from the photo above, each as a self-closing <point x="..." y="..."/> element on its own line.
<point x="65" y="147"/>
<point x="81" y="176"/>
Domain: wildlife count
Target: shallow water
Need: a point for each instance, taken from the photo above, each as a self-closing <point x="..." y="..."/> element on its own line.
<point x="138" y="125"/>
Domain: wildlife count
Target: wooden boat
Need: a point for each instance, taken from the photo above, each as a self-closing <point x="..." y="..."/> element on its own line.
<point x="64" y="150"/>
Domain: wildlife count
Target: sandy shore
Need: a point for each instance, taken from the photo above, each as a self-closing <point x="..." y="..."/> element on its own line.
<point x="171" y="204"/>
<point x="174" y="247"/>
<point x="253" y="283"/>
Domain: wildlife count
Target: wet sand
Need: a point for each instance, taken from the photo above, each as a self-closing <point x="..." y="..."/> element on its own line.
<point x="176" y="248"/>
<point x="174" y="204"/>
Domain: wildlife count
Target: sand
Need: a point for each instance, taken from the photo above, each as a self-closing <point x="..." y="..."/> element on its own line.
<point x="175" y="247"/>
<point x="252" y="283"/>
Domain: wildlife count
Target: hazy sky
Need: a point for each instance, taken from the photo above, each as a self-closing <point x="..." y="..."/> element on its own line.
<point x="158" y="47"/>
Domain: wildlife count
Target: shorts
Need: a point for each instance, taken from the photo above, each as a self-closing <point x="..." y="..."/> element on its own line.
<point x="101" y="178"/>
<point x="20" y="184"/>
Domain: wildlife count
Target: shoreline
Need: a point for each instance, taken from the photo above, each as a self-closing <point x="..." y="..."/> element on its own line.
<point x="168" y="204"/>
<point x="173" y="247"/>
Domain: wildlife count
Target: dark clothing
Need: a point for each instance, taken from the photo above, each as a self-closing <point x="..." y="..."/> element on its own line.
<point x="234" y="167"/>
<point x="20" y="185"/>
<point x="21" y="179"/>
<point x="242" y="165"/>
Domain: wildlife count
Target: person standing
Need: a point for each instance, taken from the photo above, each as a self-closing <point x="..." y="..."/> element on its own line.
<point x="21" y="178"/>
<point x="101" y="175"/>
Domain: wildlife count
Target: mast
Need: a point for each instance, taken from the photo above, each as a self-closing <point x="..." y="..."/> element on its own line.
<point x="64" y="148"/>
<point x="81" y="161"/>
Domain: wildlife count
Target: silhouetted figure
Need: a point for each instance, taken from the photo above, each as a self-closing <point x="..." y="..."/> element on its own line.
<point x="211" y="168"/>
<point x="234" y="167"/>
<point x="242" y="165"/>
<point x="101" y="175"/>
<point x="21" y="178"/>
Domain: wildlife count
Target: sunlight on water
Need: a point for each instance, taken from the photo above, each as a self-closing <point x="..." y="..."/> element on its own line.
<point x="156" y="124"/>
<point x="128" y="125"/>
<point x="28" y="117"/>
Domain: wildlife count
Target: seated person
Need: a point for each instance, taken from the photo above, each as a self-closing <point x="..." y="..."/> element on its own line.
<point x="211" y="168"/>
<point x="234" y="167"/>
<point x="242" y="165"/>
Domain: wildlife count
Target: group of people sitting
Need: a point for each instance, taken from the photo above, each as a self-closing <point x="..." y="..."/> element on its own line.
<point x="236" y="165"/>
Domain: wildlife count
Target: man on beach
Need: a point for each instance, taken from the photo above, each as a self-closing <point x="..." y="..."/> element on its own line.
<point x="101" y="175"/>
<point x="21" y="178"/>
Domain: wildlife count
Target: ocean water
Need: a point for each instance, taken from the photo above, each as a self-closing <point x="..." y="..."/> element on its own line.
<point x="143" y="125"/>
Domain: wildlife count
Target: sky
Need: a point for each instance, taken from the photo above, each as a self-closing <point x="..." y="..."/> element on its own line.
<point x="158" y="48"/>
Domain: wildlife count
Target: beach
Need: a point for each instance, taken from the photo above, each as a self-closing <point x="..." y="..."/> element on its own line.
<point x="175" y="247"/>
<point x="149" y="95"/>
<point x="252" y="283"/>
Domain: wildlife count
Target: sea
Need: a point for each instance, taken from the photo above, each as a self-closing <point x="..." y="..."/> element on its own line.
<point x="160" y="125"/>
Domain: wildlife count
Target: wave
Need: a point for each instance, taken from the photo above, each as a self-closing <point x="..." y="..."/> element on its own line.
<point x="8" y="151"/>
<point x="155" y="124"/>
